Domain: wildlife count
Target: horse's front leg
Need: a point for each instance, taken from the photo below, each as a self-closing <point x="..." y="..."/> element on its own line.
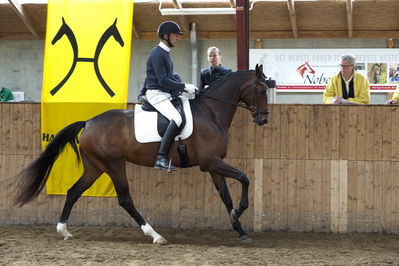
<point x="218" y="170"/>
<point x="117" y="172"/>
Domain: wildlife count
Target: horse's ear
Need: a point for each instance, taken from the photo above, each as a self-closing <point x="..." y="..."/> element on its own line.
<point x="259" y="71"/>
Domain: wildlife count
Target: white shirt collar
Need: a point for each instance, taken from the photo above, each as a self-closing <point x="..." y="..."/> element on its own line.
<point x="349" y="78"/>
<point x="348" y="81"/>
<point x="164" y="46"/>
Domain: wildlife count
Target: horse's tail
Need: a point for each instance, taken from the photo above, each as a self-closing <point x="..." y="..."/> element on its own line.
<point x="34" y="177"/>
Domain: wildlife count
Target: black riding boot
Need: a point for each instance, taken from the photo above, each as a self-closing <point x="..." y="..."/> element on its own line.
<point x="162" y="161"/>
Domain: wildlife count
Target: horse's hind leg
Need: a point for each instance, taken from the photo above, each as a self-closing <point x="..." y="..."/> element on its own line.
<point x="117" y="172"/>
<point x="90" y="174"/>
<point x="221" y="187"/>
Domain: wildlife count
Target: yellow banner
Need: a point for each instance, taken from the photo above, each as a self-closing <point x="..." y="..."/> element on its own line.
<point x="86" y="72"/>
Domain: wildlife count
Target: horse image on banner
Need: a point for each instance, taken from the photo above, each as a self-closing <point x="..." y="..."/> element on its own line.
<point x="304" y="69"/>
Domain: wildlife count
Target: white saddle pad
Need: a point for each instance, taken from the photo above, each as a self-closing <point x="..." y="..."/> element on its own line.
<point x="145" y="124"/>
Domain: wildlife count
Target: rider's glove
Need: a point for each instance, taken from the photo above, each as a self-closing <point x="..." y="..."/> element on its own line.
<point x="140" y="98"/>
<point x="190" y="88"/>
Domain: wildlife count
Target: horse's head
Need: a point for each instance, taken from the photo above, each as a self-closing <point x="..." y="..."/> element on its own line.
<point x="255" y="97"/>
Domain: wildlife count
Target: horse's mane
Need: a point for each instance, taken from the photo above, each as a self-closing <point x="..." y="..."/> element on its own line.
<point x="217" y="83"/>
<point x="224" y="78"/>
<point x="220" y="80"/>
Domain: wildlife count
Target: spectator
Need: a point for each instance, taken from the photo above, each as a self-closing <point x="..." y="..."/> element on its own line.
<point x="347" y="86"/>
<point x="214" y="71"/>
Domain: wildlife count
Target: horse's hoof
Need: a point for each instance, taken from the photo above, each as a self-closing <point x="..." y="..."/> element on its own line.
<point x="245" y="239"/>
<point x="160" y="240"/>
<point x="68" y="237"/>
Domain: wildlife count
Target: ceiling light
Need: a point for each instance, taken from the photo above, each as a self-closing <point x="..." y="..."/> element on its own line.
<point x="197" y="11"/>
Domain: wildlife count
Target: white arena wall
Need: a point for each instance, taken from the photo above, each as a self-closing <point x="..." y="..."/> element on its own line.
<point x="22" y="63"/>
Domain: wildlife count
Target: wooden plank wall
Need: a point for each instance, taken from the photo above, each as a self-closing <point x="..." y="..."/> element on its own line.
<point x="316" y="168"/>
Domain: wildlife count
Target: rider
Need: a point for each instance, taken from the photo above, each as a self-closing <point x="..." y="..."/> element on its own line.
<point x="162" y="87"/>
<point x="143" y="87"/>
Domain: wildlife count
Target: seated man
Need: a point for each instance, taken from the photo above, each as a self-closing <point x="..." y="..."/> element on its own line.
<point x="347" y="86"/>
<point x="214" y="71"/>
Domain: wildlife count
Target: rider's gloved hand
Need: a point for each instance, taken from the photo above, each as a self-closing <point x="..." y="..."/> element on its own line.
<point x="140" y="98"/>
<point x="190" y="88"/>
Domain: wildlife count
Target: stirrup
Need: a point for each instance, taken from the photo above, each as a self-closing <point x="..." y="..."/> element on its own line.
<point x="163" y="163"/>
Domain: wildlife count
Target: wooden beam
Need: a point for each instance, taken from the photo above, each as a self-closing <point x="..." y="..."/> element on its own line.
<point x="17" y="36"/>
<point x="367" y="34"/>
<point x="177" y="4"/>
<point x="390" y="43"/>
<point x="349" y="14"/>
<point x="136" y="33"/>
<point x="291" y="10"/>
<point x="24" y="16"/>
<point x="233" y="5"/>
<point x="258" y="44"/>
<point x="184" y="24"/>
<point x="182" y="19"/>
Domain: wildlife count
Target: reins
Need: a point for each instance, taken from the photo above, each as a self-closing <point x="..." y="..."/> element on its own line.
<point x="251" y="109"/>
<point x="227" y="102"/>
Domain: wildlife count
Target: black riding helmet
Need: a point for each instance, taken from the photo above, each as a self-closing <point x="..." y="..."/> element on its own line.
<point x="168" y="27"/>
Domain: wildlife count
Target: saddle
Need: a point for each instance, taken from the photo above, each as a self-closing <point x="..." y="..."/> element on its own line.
<point x="150" y="125"/>
<point x="163" y="122"/>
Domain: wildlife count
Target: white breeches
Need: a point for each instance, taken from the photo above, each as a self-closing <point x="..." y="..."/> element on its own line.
<point x="161" y="101"/>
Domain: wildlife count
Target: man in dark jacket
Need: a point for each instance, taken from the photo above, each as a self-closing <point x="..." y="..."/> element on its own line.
<point x="143" y="86"/>
<point x="214" y="71"/>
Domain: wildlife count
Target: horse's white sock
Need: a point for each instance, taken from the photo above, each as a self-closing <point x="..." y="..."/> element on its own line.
<point x="148" y="231"/>
<point x="62" y="229"/>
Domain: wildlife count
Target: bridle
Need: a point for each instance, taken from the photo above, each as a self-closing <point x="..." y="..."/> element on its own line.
<point x="252" y="109"/>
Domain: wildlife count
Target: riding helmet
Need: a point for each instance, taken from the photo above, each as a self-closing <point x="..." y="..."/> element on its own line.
<point x="168" y="27"/>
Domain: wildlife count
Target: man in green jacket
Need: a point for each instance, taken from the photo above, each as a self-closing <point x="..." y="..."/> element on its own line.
<point x="347" y="86"/>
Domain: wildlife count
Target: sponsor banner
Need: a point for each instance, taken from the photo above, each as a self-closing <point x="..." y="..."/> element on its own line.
<point x="86" y="72"/>
<point x="309" y="70"/>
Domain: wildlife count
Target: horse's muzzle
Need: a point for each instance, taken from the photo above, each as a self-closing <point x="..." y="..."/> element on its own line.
<point x="260" y="120"/>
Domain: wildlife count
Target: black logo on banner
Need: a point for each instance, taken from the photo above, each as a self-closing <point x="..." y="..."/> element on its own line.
<point x="66" y="30"/>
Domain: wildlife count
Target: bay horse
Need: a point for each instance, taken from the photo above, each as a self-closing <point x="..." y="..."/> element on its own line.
<point x="108" y="141"/>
